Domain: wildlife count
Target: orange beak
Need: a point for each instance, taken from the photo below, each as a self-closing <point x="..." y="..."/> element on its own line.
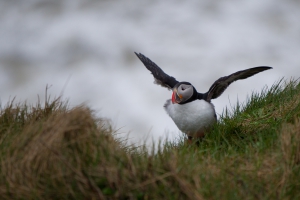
<point x="174" y="96"/>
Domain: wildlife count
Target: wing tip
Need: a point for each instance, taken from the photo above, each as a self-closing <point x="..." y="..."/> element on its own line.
<point x="266" y="67"/>
<point x="137" y="54"/>
<point x="142" y="57"/>
<point x="261" y="68"/>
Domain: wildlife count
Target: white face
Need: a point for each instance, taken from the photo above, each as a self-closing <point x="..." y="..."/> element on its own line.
<point x="184" y="92"/>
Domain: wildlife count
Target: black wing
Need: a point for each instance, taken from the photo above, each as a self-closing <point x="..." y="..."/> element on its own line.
<point x="160" y="76"/>
<point x="222" y="83"/>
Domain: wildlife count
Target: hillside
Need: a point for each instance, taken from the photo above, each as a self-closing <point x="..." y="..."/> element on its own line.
<point x="51" y="151"/>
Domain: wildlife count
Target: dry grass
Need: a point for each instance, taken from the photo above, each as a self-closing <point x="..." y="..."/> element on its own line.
<point x="51" y="148"/>
<point x="290" y="149"/>
<point x="53" y="152"/>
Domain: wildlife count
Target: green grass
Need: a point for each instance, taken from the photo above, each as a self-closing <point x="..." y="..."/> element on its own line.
<point x="52" y="151"/>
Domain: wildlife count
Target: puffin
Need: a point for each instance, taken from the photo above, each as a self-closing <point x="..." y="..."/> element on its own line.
<point x="192" y="111"/>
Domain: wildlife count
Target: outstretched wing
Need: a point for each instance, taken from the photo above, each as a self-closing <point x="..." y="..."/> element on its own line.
<point x="161" y="78"/>
<point x="222" y="83"/>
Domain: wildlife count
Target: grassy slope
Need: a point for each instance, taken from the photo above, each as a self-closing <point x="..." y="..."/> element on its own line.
<point x="53" y="152"/>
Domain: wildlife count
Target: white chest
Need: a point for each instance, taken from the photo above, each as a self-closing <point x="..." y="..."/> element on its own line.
<point x="193" y="116"/>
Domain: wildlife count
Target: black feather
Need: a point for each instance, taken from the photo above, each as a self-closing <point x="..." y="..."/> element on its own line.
<point x="160" y="76"/>
<point x="220" y="85"/>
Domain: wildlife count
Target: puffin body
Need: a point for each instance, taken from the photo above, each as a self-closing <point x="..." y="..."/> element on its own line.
<point x="193" y="112"/>
<point x="192" y="118"/>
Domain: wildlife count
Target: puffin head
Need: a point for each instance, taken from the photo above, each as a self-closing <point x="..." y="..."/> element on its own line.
<point x="183" y="92"/>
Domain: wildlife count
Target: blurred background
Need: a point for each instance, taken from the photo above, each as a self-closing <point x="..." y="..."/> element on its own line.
<point x="84" y="51"/>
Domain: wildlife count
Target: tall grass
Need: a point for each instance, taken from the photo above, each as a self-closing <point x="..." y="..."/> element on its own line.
<point x="51" y="151"/>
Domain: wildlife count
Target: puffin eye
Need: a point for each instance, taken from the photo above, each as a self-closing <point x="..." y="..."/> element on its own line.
<point x="183" y="87"/>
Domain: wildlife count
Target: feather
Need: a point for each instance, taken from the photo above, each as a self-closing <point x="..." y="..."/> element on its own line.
<point x="161" y="78"/>
<point x="220" y="85"/>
